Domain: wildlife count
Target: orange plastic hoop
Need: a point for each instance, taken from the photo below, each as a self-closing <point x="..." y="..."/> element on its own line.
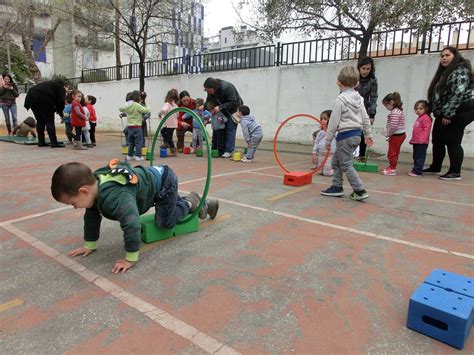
<point x="312" y="172"/>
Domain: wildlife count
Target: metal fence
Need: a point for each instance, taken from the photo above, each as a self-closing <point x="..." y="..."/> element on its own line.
<point x="405" y="41"/>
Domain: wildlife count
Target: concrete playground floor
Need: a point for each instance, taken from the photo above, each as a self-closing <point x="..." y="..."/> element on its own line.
<point x="280" y="270"/>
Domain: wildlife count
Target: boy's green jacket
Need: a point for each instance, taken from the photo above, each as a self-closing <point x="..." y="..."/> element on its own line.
<point x="120" y="200"/>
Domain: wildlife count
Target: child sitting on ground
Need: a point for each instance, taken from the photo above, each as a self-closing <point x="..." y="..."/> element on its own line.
<point x="348" y="118"/>
<point x="251" y="130"/>
<point x="122" y="193"/>
<point x="420" y="137"/>
<point x="134" y="112"/>
<point x="218" y="121"/>
<point x="27" y="127"/>
<point x="319" y="147"/>
<point x="205" y="117"/>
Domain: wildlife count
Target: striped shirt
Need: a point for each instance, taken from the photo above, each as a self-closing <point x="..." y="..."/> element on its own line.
<point x="395" y="122"/>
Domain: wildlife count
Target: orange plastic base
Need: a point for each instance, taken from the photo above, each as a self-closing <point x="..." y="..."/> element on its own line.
<point x="298" y="178"/>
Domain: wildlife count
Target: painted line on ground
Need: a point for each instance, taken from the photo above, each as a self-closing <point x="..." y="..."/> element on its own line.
<point x="348" y="229"/>
<point x="288" y="193"/>
<point x="24" y="218"/>
<point x="161" y="317"/>
<point x="235" y="173"/>
<point x="11" y="304"/>
<point x="381" y="192"/>
<point x="205" y="224"/>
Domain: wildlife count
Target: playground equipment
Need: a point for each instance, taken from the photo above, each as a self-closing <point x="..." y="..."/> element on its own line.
<point x="442" y="307"/>
<point x="366" y="166"/>
<point x="296" y="178"/>
<point x="152" y="233"/>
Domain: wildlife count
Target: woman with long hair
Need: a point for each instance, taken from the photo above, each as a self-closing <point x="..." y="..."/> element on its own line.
<point x="451" y="100"/>
<point x="8" y="95"/>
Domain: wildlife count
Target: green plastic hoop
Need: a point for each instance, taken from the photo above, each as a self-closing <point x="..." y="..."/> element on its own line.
<point x="208" y="148"/>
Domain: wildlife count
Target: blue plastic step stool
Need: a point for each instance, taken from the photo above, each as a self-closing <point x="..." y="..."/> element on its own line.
<point x="436" y="308"/>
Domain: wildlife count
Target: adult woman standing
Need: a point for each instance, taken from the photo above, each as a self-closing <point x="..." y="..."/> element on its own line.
<point x="8" y="95"/>
<point x="183" y="124"/>
<point x="368" y="89"/>
<point x="44" y="99"/>
<point x="451" y="100"/>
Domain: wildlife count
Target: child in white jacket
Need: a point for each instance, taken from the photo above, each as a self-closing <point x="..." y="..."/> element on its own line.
<point x="319" y="147"/>
<point x="252" y="132"/>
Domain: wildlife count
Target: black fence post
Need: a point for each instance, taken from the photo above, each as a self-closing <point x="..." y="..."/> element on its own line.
<point x="130" y="70"/>
<point x="278" y="49"/>
<point x="423" y="42"/>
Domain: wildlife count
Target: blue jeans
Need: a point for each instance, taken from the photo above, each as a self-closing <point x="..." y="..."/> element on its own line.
<point x="7" y="108"/>
<point x="170" y="208"/>
<point x="135" y="141"/>
<point x="419" y="156"/>
<point x="230" y="132"/>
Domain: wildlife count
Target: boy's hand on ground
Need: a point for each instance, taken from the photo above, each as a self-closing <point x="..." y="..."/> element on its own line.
<point x="314" y="159"/>
<point x="81" y="251"/>
<point x="369" y="142"/>
<point x="122" y="266"/>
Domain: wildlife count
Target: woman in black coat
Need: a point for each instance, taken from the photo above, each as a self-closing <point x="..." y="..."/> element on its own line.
<point x="44" y="100"/>
<point x="451" y="99"/>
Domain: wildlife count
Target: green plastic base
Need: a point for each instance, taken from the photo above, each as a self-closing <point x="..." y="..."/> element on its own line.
<point x="149" y="156"/>
<point x="215" y="154"/>
<point x="199" y="153"/>
<point x="151" y="233"/>
<point x="369" y="167"/>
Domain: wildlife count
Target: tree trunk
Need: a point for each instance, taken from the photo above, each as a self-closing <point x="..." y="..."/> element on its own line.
<point x="141" y="73"/>
<point x="364" y="42"/>
<point x="118" y="62"/>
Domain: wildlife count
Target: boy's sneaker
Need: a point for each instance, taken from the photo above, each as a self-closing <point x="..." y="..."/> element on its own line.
<point x="333" y="191"/>
<point x="451" y="176"/>
<point x="128" y="158"/>
<point x="413" y="174"/>
<point x="389" y="172"/>
<point x="212" y="208"/>
<point x="359" y="195"/>
<point x="245" y="160"/>
<point x="139" y="158"/>
<point x="193" y="199"/>
<point x="431" y="170"/>
<point x="226" y="155"/>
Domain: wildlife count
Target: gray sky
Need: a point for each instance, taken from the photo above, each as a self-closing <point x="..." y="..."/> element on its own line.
<point x="218" y="14"/>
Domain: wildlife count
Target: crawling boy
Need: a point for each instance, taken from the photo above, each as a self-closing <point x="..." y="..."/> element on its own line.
<point x="122" y="193"/>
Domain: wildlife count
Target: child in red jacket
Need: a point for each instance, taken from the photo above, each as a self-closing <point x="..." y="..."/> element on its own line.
<point x="420" y="137"/>
<point x="91" y="100"/>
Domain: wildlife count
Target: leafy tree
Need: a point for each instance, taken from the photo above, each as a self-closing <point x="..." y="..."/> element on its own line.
<point x="144" y="24"/>
<point x="21" y="23"/>
<point x="19" y="63"/>
<point x="357" y="18"/>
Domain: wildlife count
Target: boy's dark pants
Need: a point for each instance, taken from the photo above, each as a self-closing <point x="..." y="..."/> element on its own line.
<point x="170" y="208"/>
<point x="218" y="140"/>
<point x="68" y="128"/>
<point x="92" y="131"/>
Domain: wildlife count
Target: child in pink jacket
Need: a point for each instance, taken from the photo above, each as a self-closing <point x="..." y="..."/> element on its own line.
<point x="420" y="137"/>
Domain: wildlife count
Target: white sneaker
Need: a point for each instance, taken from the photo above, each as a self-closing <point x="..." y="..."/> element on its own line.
<point x="139" y="158"/>
<point x="226" y="155"/>
<point x="128" y="158"/>
<point x="245" y="160"/>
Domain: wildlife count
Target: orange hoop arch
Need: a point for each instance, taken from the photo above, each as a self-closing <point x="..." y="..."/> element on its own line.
<point x="275" y="138"/>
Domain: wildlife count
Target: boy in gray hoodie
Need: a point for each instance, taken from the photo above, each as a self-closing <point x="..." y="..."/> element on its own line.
<point x="251" y="130"/>
<point x="349" y="118"/>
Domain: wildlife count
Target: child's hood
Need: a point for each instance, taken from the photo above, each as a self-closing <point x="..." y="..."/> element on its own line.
<point x="249" y="118"/>
<point x="352" y="99"/>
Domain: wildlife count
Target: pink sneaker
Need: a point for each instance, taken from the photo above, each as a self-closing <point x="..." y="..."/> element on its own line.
<point x="411" y="173"/>
<point x="389" y="172"/>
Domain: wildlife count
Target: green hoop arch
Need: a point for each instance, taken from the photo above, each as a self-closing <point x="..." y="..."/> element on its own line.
<point x="208" y="148"/>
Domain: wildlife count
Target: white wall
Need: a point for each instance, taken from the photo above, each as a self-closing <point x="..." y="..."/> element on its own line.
<point x="274" y="94"/>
